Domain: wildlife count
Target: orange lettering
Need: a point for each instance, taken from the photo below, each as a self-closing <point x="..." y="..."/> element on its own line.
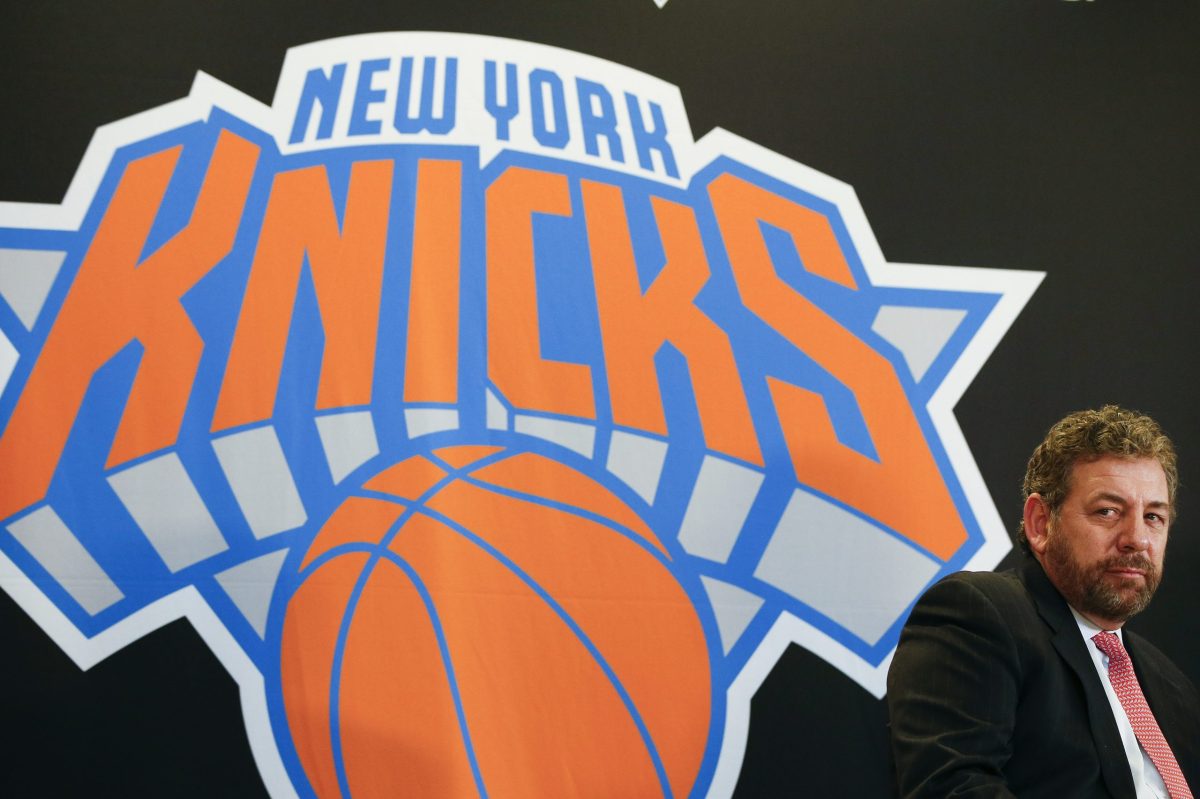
<point x="903" y="489"/>
<point x="116" y="300"/>
<point x="347" y="271"/>
<point x="515" y="361"/>
<point x="635" y="326"/>
<point x="431" y="363"/>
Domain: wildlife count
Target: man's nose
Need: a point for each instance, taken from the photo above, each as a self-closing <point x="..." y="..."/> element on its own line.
<point x="1135" y="534"/>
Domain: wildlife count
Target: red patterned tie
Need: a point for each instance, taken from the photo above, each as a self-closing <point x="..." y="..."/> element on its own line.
<point x="1125" y="683"/>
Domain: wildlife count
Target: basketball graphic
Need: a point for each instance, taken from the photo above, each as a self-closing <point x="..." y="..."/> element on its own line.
<point x="477" y="622"/>
<point x="496" y="434"/>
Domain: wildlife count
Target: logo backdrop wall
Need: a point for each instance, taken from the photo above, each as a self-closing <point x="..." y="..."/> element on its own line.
<point x="488" y="427"/>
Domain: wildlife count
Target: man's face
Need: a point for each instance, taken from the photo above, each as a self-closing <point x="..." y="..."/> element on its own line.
<point x="1104" y="551"/>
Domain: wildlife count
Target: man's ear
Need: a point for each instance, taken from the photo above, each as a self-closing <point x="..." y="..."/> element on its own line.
<point x="1037" y="522"/>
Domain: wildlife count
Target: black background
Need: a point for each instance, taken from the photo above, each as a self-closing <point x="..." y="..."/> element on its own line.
<point x="1051" y="135"/>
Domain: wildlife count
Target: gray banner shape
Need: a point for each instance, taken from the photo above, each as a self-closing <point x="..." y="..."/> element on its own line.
<point x="919" y="333"/>
<point x="497" y="414"/>
<point x="573" y="435"/>
<point x="637" y="461"/>
<point x="251" y="585"/>
<point x="262" y="483"/>
<point x="52" y="544"/>
<point x="25" y="280"/>
<point x="423" y="421"/>
<point x="164" y="502"/>
<point x="843" y="566"/>
<point x="720" y="502"/>
<point x="348" y="440"/>
<point x="734" y="608"/>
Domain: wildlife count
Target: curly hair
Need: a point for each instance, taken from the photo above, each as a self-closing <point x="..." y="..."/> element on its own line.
<point x="1086" y="436"/>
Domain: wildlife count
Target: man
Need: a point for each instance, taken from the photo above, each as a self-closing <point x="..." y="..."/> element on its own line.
<point x="1007" y="684"/>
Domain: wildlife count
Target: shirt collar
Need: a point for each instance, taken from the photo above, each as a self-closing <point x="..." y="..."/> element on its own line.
<point x="1087" y="629"/>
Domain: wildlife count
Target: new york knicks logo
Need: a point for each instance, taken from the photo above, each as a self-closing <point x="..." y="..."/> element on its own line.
<point x="490" y="429"/>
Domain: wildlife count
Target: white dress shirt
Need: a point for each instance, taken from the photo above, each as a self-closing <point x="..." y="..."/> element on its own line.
<point x="1146" y="779"/>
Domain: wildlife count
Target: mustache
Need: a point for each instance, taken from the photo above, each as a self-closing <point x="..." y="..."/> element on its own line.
<point x="1139" y="562"/>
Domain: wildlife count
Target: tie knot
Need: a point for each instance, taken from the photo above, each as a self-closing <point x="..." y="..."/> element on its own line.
<point x="1110" y="644"/>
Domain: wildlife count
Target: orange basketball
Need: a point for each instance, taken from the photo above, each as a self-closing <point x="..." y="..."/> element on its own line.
<point x="473" y="624"/>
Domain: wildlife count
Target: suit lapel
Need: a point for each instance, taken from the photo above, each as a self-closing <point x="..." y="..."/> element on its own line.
<point x="1162" y="693"/>
<point x="1155" y="684"/>
<point x="1071" y="648"/>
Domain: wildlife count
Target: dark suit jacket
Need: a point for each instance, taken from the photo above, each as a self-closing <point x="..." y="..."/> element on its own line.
<point x="992" y="692"/>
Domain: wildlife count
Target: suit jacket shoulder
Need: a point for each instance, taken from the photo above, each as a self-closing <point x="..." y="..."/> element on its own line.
<point x="1174" y="700"/>
<point x="991" y="692"/>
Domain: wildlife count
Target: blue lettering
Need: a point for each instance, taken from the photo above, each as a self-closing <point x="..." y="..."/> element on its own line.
<point x="323" y="89"/>
<point x="503" y="114"/>
<point x="365" y="97"/>
<point x="647" y="141"/>
<point x="596" y="124"/>
<point x="425" y="119"/>
<point x="559" y="135"/>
